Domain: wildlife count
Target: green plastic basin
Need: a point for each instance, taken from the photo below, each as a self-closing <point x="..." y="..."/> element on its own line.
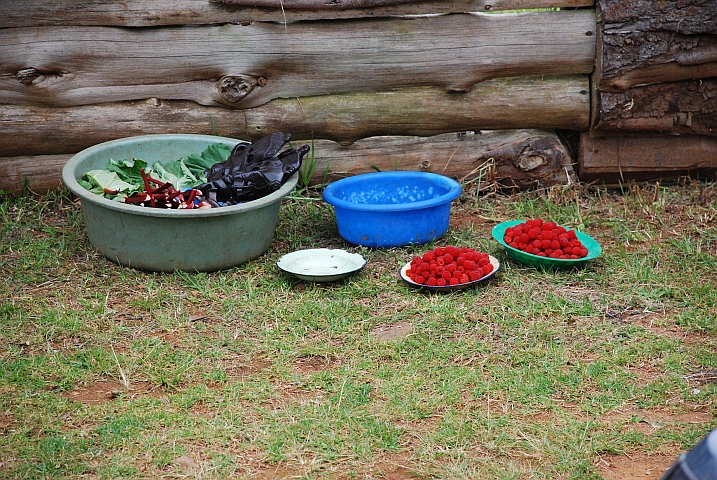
<point x="594" y="249"/>
<point x="163" y="239"/>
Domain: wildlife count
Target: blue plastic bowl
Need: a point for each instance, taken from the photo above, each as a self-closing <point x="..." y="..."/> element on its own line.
<point x="392" y="209"/>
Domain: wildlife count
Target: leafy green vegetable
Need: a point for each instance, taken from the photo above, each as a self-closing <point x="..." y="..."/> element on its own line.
<point x="128" y="170"/>
<point x="178" y="173"/>
<point x="124" y="175"/>
<point x="213" y="154"/>
<point x="102" y="182"/>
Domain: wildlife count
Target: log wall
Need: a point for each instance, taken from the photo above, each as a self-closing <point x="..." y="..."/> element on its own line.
<point x="350" y="75"/>
<point x="654" y="101"/>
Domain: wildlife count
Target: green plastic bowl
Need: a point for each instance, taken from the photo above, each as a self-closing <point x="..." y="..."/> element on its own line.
<point x="163" y="239"/>
<point x="594" y="249"/>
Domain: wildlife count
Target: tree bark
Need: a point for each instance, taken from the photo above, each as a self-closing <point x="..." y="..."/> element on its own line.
<point x="143" y="13"/>
<point x="247" y="66"/>
<point x="687" y="107"/>
<point x="525" y="102"/>
<point x="520" y="159"/>
<point x="656" y="41"/>
<point x="656" y="63"/>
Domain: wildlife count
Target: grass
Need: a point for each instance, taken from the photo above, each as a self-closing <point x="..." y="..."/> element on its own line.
<point x="108" y="372"/>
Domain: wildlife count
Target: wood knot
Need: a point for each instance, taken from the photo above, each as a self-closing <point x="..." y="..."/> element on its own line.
<point x="529" y="160"/>
<point x="34" y="76"/>
<point x="27" y="75"/>
<point x="234" y="88"/>
<point x="425" y="165"/>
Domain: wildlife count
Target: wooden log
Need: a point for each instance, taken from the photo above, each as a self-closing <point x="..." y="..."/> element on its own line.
<point x="518" y="159"/>
<point x="247" y="66"/>
<point x="143" y="13"/>
<point x="621" y="158"/>
<point x="523" y="102"/>
<point x="41" y="173"/>
<point x="686" y="107"/>
<point x="644" y="42"/>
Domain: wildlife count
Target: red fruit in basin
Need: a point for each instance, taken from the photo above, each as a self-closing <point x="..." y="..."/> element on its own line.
<point x="449" y="266"/>
<point x="545" y="239"/>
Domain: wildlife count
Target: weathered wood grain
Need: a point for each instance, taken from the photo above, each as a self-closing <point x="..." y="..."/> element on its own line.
<point x="522" y="102"/>
<point x="247" y="66"/>
<point x="40" y="173"/>
<point x="686" y="107"/>
<point x="143" y="13"/>
<point x="520" y="159"/>
<point x="644" y="157"/>
<point x="645" y="41"/>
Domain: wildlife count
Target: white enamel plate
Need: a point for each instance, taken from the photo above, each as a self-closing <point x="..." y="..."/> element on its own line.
<point x="321" y="264"/>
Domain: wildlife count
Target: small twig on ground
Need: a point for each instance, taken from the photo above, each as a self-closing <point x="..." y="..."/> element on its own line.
<point x="124" y="378"/>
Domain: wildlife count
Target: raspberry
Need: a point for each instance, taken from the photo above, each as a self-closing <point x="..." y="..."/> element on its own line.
<point x="451" y="265"/>
<point x="544" y="239"/>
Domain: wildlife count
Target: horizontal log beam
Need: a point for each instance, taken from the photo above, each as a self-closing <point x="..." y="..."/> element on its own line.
<point x="644" y="157"/>
<point x="520" y="159"/>
<point x="244" y="66"/>
<point x="522" y="102"/>
<point x="40" y="174"/>
<point x="143" y="13"/>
